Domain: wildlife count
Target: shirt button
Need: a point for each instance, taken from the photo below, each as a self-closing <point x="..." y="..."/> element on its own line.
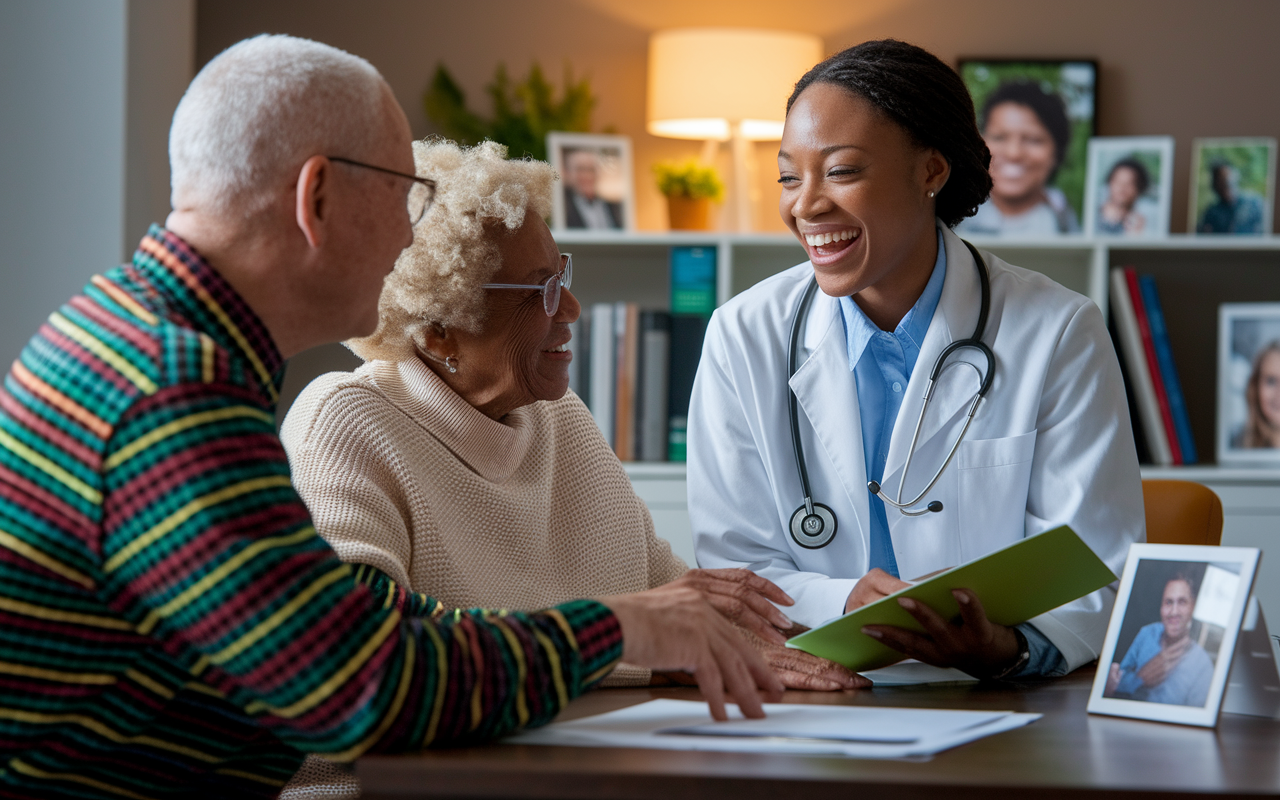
<point x="897" y="387"/>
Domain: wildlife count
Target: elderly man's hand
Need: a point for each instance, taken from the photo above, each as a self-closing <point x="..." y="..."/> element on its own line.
<point x="743" y="598"/>
<point x="674" y="628"/>
<point x="1159" y="666"/>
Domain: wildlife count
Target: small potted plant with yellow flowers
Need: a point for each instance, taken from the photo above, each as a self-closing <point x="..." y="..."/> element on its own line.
<point x="690" y="187"/>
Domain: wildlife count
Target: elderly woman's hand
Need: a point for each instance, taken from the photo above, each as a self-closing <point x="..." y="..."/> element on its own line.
<point x="801" y="670"/>
<point x="743" y="598"/>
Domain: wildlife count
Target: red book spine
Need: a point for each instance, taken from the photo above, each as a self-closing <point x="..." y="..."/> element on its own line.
<point x="1149" y="347"/>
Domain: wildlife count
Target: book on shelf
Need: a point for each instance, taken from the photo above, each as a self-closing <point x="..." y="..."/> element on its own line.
<point x="687" y="332"/>
<point x="1153" y="365"/>
<point x="693" y="280"/>
<point x="1139" y="375"/>
<point x="653" y="372"/>
<point x="600" y="355"/>
<point x="626" y="325"/>
<point x="1168" y="370"/>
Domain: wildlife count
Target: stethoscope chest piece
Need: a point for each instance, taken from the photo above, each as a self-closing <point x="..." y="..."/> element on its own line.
<point x="812" y="530"/>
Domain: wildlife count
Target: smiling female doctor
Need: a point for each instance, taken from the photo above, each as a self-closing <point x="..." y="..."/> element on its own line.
<point x="879" y="159"/>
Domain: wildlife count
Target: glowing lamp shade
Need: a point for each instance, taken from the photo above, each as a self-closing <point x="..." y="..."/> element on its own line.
<point x="703" y="81"/>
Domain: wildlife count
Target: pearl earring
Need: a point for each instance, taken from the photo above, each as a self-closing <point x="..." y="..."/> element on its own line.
<point x="451" y="363"/>
<point x="931" y="194"/>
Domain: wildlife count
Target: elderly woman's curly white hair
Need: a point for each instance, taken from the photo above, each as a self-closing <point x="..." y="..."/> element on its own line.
<point x="437" y="279"/>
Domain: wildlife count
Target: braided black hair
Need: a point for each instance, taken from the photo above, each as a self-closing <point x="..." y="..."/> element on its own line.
<point x="928" y="100"/>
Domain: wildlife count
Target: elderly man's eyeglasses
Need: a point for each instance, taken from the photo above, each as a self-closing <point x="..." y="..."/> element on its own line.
<point x="421" y="194"/>
<point x="550" y="288"/>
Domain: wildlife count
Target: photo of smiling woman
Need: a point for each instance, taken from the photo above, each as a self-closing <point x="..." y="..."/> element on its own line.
<point x="814" y="458"/>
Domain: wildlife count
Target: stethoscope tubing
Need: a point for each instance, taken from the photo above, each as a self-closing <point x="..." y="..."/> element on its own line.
<point x="974" y="341"/>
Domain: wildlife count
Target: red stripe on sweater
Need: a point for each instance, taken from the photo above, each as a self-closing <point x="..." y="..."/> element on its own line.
<point x="129" y="332"/>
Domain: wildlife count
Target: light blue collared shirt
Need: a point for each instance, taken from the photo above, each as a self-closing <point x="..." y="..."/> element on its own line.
<point x="881" y="363"/>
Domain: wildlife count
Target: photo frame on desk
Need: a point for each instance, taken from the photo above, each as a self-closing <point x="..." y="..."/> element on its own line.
<point x="1248" y="430"/>
<point x="1172" y="638"/>
<point x="595" y="190"/>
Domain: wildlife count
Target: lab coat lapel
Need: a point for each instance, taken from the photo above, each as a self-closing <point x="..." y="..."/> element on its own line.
<point x="954" y="318"/>
<point x="827" y="396"/>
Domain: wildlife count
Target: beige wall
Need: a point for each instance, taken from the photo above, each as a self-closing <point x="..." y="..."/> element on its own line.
<point x="1182" y="67"/>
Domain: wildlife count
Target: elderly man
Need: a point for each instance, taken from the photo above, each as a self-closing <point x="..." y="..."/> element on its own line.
<point x="583" y="206"/>
<point x="170" y="624"/>
<point x="1164" y="664"/>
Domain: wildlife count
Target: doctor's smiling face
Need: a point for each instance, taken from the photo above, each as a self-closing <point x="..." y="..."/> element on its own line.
<point x="856" y="192"/>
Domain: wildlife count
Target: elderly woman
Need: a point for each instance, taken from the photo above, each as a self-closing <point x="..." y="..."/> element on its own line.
<point x="456" y="460"/>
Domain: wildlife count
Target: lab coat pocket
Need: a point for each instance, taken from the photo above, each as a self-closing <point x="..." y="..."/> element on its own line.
<point x="993" y="477"/>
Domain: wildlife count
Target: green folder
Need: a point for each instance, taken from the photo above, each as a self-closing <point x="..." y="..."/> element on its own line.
<point x="1014" y="584"/>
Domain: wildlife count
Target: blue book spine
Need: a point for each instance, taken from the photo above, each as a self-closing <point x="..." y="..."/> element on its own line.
<point x="693" y="280"/>
<point x="1164" y="357"/>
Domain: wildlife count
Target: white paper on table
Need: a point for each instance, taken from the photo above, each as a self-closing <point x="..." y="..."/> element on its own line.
<point x="912" y="673"/>
<point x="640" y="726"/>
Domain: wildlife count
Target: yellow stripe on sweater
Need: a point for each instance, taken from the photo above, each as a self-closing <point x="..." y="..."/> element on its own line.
<point x="288" y="610"/>
<point x="123" y="300"/>
<point x="179" y="425"/>
<point x="26" y="769"/>
<point x="43" y="559"/>
<point x="317" y="695"/>
<point x="147" y="682"/>
<point x="55" y="615"/>
<point x="100" y="349"/>
<point x="553" y="655"/>
<point x="34" y="718"/>
<point x="190" y="510"/>
<point x="220" y="574"/>
<point x="442" y="681"/>
<point x="49" y="468"/>
<point x="517" y="652"/>
<point x="56" y="675"/>
<point x="397" y="703"/>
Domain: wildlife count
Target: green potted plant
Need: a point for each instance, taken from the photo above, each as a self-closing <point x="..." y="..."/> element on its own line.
<point x="690" y="187"/>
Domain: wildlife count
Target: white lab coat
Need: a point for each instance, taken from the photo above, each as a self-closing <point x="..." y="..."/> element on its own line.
<point x="1051" y="443"/>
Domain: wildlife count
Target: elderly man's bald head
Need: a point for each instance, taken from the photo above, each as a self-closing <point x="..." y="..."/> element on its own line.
<point x="260" y="109"/>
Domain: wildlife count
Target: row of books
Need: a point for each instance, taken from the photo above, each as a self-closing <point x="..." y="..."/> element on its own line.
<point x="634" y="368"/>
<point x="1150" y="374"/>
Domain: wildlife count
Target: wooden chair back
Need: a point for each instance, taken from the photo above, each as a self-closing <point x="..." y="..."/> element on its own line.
<point x="1182" y="512"/>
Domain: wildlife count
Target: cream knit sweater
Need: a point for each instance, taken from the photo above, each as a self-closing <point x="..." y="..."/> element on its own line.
<point x="403" y="474"/>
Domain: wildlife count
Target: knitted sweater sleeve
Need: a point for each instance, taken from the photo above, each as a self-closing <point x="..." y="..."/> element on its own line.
<point x="207" y="548"/>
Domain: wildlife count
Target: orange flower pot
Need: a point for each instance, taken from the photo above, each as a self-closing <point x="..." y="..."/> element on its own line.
<point x="689" y="213"/>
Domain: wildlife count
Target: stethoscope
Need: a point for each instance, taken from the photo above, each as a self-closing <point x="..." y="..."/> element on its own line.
<point x="814" y="525"/>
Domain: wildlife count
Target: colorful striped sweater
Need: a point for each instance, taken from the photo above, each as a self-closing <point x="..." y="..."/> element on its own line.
<point x="170" y="623"/>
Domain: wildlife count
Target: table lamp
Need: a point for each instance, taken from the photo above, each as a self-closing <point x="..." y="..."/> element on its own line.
<point x="726" y="84"/>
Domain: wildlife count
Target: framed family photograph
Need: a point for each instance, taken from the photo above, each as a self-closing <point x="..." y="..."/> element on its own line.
<point x="1168" y="651"/>
<point x="1037" y="118"/>
<point x="1129" y="186"/>
<point x="1233" y="186"/>
<point x="595" y="191"/>
<point x="1249" y="383"/>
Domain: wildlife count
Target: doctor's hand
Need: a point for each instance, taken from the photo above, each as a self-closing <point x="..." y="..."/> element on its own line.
<point x="674" y="628"/>
<point x="743" y="597"/>
<point x="974" y="644"/>
<point x="871" y="587"/>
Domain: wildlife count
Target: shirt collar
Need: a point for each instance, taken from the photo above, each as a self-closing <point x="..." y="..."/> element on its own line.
<point x="859" y="329"/>
<point x="194" y="291"/>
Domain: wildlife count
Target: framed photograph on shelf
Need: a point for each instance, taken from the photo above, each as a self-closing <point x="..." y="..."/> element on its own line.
<point x="1249" y="383"/>
<point x="1129" y="186"/>
<point x="595" y="191"/>
<point x="1036" y="117"/>
<point x="1233" y="186"/>
<point x="1173" y="631"/>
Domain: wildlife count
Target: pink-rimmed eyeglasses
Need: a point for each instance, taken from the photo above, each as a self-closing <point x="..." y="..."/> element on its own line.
<point x="550" y="288"/>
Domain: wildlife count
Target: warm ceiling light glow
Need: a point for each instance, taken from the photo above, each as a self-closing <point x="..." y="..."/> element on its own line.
<point x="704" y="80"/>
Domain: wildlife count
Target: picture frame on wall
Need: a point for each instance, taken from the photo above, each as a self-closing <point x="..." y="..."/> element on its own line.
<point x="1037" y="117"/>
<point x="595" y="190"/>
<point x="1172" y="637"/>
<point x="1233" y="186"/>
<point x="1129" y="186"/>
<point x="1248" y="430"/>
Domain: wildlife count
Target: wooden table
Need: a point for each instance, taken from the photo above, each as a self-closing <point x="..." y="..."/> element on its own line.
<point x="1065" y="754"/>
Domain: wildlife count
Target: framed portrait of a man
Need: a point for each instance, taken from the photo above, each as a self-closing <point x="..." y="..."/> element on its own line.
<point x="1233" y="185"/>
<point x="1173" y="631"/>
<point x="1036" y="117"/>
<point x="1249" y="383"/>
<point x="1129" y="186"/>
<point x="595" y="191"/>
